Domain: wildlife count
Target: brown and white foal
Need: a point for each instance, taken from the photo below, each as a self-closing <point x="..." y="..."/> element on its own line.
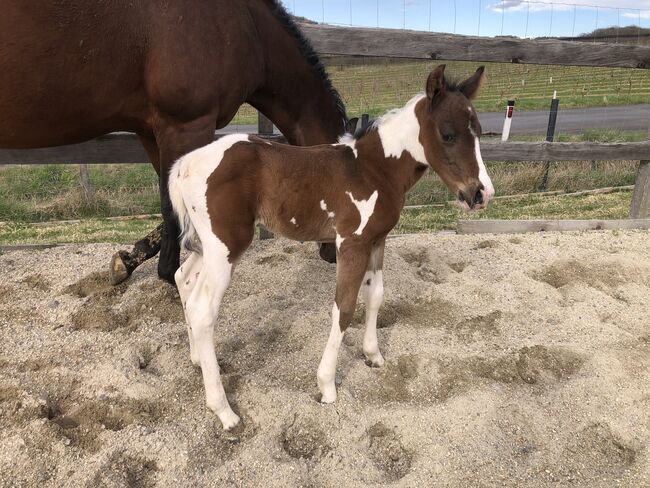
<point x="349" y="193"/>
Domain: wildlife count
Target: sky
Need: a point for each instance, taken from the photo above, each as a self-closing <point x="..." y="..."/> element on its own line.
<point x="479" y="17"/>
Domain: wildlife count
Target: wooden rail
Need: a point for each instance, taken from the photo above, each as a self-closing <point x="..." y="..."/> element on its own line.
<point x="124" y="147"/>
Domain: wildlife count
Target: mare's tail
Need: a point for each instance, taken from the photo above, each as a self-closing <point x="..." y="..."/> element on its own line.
<point x="188" y="238"/>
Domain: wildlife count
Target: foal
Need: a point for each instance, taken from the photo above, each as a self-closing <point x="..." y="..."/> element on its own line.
<point x="349" y="193"/>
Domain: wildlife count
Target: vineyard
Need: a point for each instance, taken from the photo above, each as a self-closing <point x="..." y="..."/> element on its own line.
<point x="376" y="88"/>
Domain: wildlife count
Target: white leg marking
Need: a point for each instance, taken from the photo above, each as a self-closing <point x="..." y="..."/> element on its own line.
<point x="373" y="290"/>
<point x="365" y="208"/>
<point x="483" y="176"/>
<point x="327" y="368"/>
<point x="186" y="277"/>
<point x="202" y="310"/>
<point x="323" y="207"/>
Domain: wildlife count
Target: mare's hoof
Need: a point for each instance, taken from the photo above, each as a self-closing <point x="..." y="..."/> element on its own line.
<point x="117" y="270"/>
<point x="327" y="252"/>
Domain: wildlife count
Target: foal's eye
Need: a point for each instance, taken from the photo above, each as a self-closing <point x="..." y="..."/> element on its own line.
<point x="448" y="137"/>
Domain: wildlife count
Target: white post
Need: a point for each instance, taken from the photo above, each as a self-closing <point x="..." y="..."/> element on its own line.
<point x="507" y="122"/>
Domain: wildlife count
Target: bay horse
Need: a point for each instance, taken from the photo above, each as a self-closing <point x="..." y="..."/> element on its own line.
<point x="172" y="72"/>
<point x="220" y="191"/>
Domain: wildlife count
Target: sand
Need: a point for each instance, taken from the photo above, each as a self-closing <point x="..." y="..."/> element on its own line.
<point x="511" y="361"/>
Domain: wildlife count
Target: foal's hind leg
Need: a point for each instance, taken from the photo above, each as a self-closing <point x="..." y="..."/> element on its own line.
<point x="202" y="309"/>
<point x="186" y="278"/>
<point x="373" y="291"/>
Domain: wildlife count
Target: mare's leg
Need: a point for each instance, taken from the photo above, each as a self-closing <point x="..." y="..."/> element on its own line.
<point x="186" y="278"/>
<point x="202" y="309"/>
<point x="174" y="141"/>
<point x="123" y="263"/>
<point x="352" y="261"/>
<point x="373" y="291"/>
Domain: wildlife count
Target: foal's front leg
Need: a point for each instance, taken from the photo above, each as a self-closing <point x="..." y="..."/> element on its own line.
<point x="352" y="260"/>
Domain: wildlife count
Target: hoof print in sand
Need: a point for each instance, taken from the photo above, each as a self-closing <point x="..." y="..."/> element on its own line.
<point x="482" y="325"/>
<point x="83" y="423"/>
<point x="304" y="439"/>
<point x="126" y="470"/>
<point x="36" y="282"/>
<point x="539" y="364"/>
<point x="272" y="259"/>
<point x="387" y="452"/>
<point x="458" y="267"/>
<point x="597" y="453"/>
<point x="603" y="276"/>
<point x="487" y="244"/>
<point x="93" y="284"/>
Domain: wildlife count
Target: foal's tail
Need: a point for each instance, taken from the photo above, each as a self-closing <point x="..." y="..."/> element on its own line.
<point x="188" y="238"/>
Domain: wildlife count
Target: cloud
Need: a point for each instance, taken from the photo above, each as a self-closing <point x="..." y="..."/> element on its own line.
<point x="559" y="5"/>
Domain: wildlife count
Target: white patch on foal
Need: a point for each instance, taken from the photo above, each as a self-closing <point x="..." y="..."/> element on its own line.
<point x="339" y="241"/>
<point x="293" y="221"/>
<point x="327" y="367"/>
<point x="350" y="141"/>
<point x="398" y="131"/>
<point x="323" y="207"/>
<point x="365" y="208"/>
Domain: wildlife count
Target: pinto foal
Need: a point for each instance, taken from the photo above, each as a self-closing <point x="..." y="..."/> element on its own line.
<point x="349" y="193"/>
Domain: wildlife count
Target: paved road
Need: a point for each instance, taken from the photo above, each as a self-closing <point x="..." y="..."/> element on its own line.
<point x="628" y="117"/>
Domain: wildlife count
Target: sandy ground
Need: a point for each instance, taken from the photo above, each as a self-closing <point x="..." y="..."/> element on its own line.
<point x="511" y="361"/>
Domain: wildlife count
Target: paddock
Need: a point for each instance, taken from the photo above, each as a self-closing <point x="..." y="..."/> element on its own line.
<point x="511" y="361"/>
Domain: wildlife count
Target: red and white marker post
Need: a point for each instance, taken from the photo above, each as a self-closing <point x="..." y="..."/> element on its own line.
<point x="510" y="108"/>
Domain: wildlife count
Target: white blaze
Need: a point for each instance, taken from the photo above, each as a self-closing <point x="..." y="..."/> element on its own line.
<point x="483" y="176"/>
<point x="365" y="208"/>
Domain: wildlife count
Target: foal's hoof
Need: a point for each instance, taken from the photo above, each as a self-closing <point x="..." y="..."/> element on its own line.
<point x="376" y="362"/>
<point x="327" y="252"/>
<point x="117" y="271"/>
<point x="229" y="419"/>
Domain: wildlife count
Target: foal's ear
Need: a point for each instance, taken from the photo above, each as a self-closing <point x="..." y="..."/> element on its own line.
<point x="472" y="85"/>
<point x="436" y="83"/>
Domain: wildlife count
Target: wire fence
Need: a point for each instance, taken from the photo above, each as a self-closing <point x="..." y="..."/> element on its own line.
<point x="521" y="18"/>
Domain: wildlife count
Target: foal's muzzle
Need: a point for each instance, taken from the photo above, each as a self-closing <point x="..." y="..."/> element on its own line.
<point x="473" y="198"/>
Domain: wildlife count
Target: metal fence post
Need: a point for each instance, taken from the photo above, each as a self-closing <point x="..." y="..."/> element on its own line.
<point x="640" y="207"/>
<point x="550" y="135"/>
<point x="264" y="128"/>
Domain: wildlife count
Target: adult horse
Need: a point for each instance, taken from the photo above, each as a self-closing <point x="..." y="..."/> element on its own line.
<point x="171" y="72"/>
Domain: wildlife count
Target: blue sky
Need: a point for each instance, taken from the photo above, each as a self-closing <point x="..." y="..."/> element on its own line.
<point x="483" y="17"/>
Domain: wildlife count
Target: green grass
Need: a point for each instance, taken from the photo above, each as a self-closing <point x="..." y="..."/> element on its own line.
<point x="608" y="206"/>
<point x="377" y="88"/>
<point x="53" y="192"/>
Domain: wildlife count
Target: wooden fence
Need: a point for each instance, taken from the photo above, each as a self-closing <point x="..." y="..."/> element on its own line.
<point x="367" y="42"/>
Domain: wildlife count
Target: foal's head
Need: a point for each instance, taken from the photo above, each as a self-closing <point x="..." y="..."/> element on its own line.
<point x="449" y="134"/>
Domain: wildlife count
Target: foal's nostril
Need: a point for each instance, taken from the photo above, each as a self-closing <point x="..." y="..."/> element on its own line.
<point x="478" y="198"/>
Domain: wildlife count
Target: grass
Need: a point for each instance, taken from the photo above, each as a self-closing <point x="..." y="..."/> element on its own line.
<point x="377" y="88"/>
<point x="608" y="206"/>
<point x="53" y="192"/>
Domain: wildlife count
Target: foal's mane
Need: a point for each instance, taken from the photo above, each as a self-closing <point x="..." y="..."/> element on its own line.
<point x="450" y="86"/>
<point x="308" y="52"/>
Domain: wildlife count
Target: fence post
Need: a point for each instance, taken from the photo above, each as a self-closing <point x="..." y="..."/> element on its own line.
<point x="264" y="128"/>
<point x="264" y="125"/>
<point x="550" y="135"/>
<point x="640" y="207"/>
<point x="87" y="186"/>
